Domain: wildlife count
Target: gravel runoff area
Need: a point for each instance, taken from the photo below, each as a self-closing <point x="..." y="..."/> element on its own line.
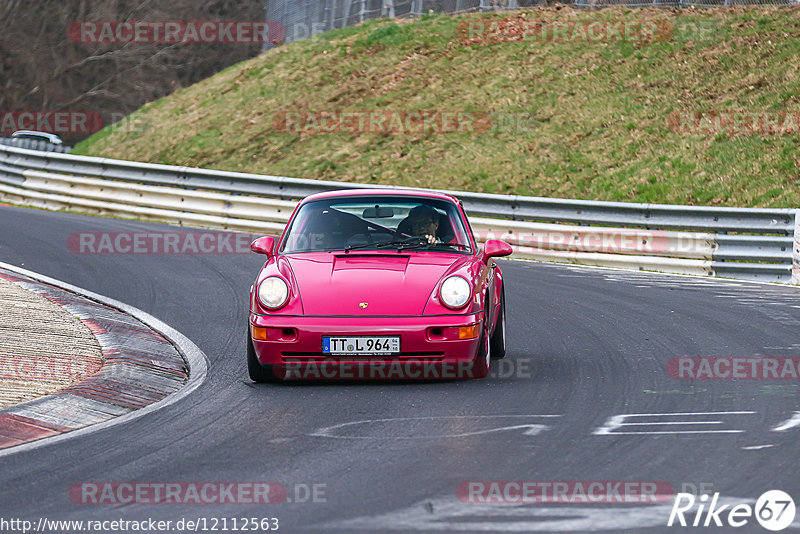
<point x="43" y="348"/>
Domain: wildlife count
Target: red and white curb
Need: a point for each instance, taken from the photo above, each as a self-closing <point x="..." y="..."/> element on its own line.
<point x="148" y="365"/>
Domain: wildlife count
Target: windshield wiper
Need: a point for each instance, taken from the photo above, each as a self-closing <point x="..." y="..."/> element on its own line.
<point x="401" y="244"/>
<point x="404" y="244"/>
<point x="415" y="242"/>
<point x="348" y="248"/>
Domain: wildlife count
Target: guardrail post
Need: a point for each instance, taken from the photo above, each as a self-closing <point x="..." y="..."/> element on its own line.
<point x="796" y="250"/>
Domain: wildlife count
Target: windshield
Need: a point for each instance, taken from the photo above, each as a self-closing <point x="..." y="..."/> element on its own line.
<point x="379" y="223"/>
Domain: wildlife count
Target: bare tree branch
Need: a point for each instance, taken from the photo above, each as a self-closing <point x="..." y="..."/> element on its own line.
<point x="42" y="69"/>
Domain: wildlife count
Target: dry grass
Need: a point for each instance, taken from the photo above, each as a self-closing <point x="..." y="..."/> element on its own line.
<point x="594" y="114"/>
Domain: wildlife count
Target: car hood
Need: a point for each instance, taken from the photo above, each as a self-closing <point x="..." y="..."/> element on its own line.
<point x="369" y="283"/>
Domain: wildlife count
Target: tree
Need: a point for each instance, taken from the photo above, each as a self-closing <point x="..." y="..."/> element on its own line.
<point x="42" y="69"/>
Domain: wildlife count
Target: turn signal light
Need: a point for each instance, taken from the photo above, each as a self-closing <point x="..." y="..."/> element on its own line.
<point x="468" y="332"/>
<point x="272" y="333"/>
<point x="259" y="333"/>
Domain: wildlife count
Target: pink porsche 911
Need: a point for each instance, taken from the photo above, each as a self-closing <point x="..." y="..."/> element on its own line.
<point x="385" y="284"/>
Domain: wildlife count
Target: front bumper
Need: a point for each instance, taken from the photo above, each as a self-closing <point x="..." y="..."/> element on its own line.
<point x="429" y="346"/>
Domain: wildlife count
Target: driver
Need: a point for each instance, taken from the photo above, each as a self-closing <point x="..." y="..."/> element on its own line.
<point x="424" y="222"/>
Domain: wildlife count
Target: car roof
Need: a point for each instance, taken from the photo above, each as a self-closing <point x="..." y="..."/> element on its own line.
<point x="34" y="132"/>
<point x="339" y="193"/>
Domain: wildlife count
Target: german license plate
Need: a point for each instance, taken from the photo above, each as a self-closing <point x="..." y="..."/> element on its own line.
<point x="361" y="345"/>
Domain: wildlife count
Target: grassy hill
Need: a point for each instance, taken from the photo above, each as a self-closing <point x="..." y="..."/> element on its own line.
<point x="588" y="119"/>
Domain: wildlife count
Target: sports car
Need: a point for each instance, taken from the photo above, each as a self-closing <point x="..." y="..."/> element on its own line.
<point x="376" y="284"/>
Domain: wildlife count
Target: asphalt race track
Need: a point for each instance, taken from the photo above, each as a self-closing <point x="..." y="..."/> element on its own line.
<point x="584" y="345"/>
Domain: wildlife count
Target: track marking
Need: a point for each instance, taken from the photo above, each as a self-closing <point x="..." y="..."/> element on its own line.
<point x="792" y="422"/>
<point x="440" y="431"/>
<point x="618" y="421"/>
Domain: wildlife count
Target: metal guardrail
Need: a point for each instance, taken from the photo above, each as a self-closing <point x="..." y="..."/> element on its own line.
<point x="754" y="244"/>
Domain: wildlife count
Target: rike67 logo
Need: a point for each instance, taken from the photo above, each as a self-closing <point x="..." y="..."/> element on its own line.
<point x="774" y="510"/>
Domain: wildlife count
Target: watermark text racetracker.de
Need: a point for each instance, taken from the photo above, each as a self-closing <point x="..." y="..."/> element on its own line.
<point x="559" y="239"/>
<point x="734" y="368"/>
<point x="564" y="491"/>
<point x="505" y="369"/>
<point x="203" y="493"/>
<point x="754" y="122"/>
<point x="554" y="240"/>
<point x="402" y="122"/>
<point x="55" y="122"/>
<point x="176" y="31"/>
<point x="524" y="30"/>
<point x="160" y="242"/>
<point x="34" y="367"/>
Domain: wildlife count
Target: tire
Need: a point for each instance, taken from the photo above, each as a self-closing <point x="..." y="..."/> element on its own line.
<point x="258" y="372"/>
<point x="483" y="360"/>
<point x="498" y="342"/>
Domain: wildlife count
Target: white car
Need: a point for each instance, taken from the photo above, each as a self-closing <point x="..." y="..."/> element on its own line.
<point x="40" y="136"/>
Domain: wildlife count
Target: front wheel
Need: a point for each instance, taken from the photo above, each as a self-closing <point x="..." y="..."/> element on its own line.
<point x="483" y="360"/>
<point x="258" y="372"/>
<point x="499" y="337"/>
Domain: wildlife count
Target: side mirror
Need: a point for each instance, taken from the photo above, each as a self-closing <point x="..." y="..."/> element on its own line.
<point x="263" y="245"/>
<point x="494" y="248"/>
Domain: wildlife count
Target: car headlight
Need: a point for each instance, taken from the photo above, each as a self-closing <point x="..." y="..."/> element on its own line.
<point x="273" y="292"/>
<point x="455" y="292"/>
